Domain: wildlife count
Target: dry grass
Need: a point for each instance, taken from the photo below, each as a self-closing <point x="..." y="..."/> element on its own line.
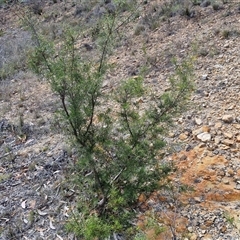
<point x="13" y="50"/>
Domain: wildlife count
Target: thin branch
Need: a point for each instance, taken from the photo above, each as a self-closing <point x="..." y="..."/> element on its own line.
<point x="111" y="30"/>
<point x="104" y="52"/>
<point x="36" y="36"/>
<point x="125" y="116"/>
<point x="93" y="103"/>
<point x="117" y="176"/>
<point x="70" y="121"/>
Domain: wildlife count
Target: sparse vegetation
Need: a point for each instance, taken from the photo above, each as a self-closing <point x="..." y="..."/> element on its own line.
<point x="13" y="52"/>
<point x="230" y="219"/>
<point x="216" y="6"/>
<point x="4" y="177"/>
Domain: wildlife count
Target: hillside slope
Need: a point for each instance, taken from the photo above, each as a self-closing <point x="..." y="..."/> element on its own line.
<point x="35" y="200"/>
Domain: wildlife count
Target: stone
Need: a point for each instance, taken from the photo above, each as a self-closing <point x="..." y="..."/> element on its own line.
<point x="218" y="125"/>
<point x="230" y="172"/>
<point x="180" y="120"/>
<point x="238" y="138"/>
<point x="227" y="118"/>
<point x="237" y="126"/>
<point x="105" y="83"/>
<point x="207" y="238"/>
<point x="221" y="173"/>
<point x="183" y="157"/>
<point x="194" y="236"/>
<point x="228" y="135"/>
<point x="223" y="229"/>
<point x="198" y="121"/>
<point x="171" y="135"/>
<point x="208" y="222"/>
<point x="183" y="136"/>
<point x="225" y="180"/>
<point x="206" y="128"/>
<point x="217" y="140"/>
<point x="202" y="145"/>
<point x="204" y="137"/>
<point x="197" y="131"/>
<point x="237" y="187"/>
<point x="228" y="142"/>
<point x="197" y="199"/>
<point x="205" y="77"/>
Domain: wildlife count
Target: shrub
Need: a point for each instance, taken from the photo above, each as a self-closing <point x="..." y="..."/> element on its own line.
<point x="118" y="150"/>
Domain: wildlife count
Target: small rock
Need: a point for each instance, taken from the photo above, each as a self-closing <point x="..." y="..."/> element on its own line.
<point x="227" y="118"/>
<point x="197" y="131"/>
<point x="180" y="120"/>
<point x="237" y="187"/>
<point x="225" y="180"/>
<point x="221" y="173"/>
<point x="226" y="45"/>
<point x="194" y="236"/>
<point x="207" y="238"/>
<point x="206" y="128"/>
<point x="224" y="147"/>
<point x="228" y="142"/>
<point x="204" y="137"/>
<point x="218" y="125"/>
<point x="217" y="140"/>
<point x="238" y="138"/>
<point x="228" y="135"/>
<point x="106" y="83"/>
<point x="197" y="199"/>
<point x="230" y="172"/>
<point x="231" y="107"/>
<point x="198" y="121"/>
<point x="237" y="126"/>
<point x="216" y="152"/>
<point x="171" y="134"/>
<point x="202" y="145"/>
<point x="188" y="147"/>
<point x="209" y="222"/>
<point x="183" y="157"/>
<point x="205" y="77"/>
<point x="223" y="229"/>
<point x="183" y="136"/>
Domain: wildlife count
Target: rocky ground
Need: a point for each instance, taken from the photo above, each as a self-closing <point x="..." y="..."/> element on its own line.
<point x="35" y="200"/>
